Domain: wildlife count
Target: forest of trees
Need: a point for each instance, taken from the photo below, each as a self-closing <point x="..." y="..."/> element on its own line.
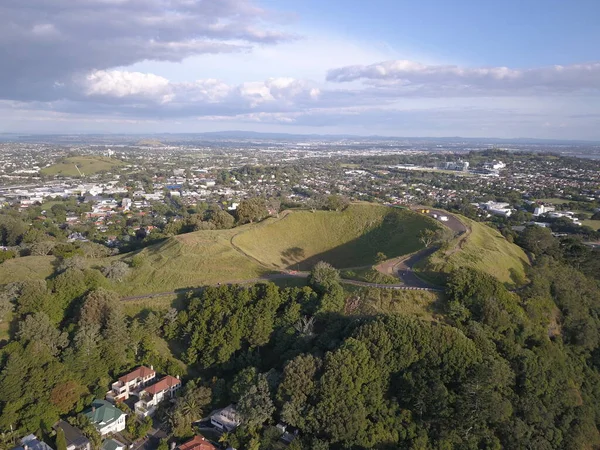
<point x="498" y="369"/>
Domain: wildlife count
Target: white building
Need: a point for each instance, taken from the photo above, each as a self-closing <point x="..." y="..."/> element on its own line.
<point x="500" y="212"/>
<point x="106" y="417"/>
<point x="133" y="381"/>
<point x="154" y="394"/>
<point x="497" y="208"/>
<point x="126" y="204"/>
<point x="461" y="166"/>
<point x="543" y="209"/>
<point x="226" y="419"/>
<point x="494" y="165"/>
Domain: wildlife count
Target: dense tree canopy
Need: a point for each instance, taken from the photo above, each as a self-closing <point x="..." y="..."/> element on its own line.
<point x="493" y="369"/>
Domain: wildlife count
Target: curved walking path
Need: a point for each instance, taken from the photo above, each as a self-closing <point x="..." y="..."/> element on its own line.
<point x="401" y="267"/>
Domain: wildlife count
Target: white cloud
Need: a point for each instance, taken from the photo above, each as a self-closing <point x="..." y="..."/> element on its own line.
<point x="412" y="77"/>
<point x="43" y="41"/>
<point x="44" y="30"/>
<point x="126" y="88"/>
<point x="210" y="90"/>
<point x="120" y="84"/>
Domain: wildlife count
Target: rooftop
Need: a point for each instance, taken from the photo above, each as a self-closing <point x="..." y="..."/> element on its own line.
<point x="162" y="385"/>
<point x="103" y="412"/>
<point x="112" y="444"/>
<point x="227" y="416"/>
<point x="197" y="443"/>
<point x="33" y="443"/>
<point x="73" y="435"/>
<point x="140" y="372"/>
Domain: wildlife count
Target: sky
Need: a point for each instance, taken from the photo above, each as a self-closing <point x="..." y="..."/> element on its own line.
<point x="384" y="67"/>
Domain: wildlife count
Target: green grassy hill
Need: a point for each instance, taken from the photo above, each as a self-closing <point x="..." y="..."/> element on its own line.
<point x="88" y="165"/>
<point x="188" y="260"/>
<point x="483" y="249"/>
<point x="350" y="238"/>
<point x="27" y="268"/>
<point x="298" y="239"/>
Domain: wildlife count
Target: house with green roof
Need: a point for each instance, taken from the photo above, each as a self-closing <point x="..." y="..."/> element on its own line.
<point x="106" y="417"/>
<point x="113" y="444"/>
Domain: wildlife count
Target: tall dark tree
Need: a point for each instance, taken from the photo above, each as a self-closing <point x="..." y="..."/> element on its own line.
<point x="252" y="210"/>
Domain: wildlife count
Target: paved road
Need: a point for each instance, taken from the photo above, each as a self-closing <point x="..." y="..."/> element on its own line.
<point x="453" y="223"/>
<point x="403" y="268"/>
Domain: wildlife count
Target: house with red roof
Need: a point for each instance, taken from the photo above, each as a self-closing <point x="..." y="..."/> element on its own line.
<point x="197" y="443"/>
<point x="151" y="396"/>
<point x="130" y="383"/>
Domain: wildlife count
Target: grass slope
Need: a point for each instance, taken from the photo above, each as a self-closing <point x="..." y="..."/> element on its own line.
<point x="188" y="260"/>
<point x="350" y="238"/>
<point x="27" y="268"/>
<point x="369" y="301"/>
<point x="483" y="249"/>
<point x="88" y="165"/>
<point x="595" y="224"/>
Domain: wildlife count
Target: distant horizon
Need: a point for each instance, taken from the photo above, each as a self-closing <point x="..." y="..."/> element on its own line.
<point x="258" y="134"/>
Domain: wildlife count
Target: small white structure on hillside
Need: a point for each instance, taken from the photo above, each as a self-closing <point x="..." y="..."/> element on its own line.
<point x="226" y="419"/>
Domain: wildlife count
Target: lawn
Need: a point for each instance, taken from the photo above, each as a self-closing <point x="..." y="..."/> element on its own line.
<point x="88" y="165"/>
<point x="5" y="327"/>
<point x="554" y="200"/>
<point x="133" y="308"/>
<point x="189" y="260"/>
<point x="423" y="304"/>
<point x="595" y="224"/>
<point x="483" y="249"/>
<point x="351" y="238"/>
<point x="26" y="268"/>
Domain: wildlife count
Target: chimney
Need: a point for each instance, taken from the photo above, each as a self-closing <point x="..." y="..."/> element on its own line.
<point x="177" y="377"/>
<point x="93" y="409"/>
<point x="173" y="445"/>
<point x="151" y="367"/>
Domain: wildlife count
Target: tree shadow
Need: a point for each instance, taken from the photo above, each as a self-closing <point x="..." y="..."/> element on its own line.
<point x="292" y="256"/>
<point x="395" y="236"/>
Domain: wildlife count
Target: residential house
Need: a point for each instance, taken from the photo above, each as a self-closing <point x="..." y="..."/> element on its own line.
<point x="132" y="382"/>
<point x="31" y="442"/>
<point x="113" y="444"/>
<point x="226" y="419"/>
<point x="288" y="434"/>
<point x="152" y="395"/>
<point x="197" y="443"/>
<point x="106" y="417"/>
<point x="543" y="209"/>
<point x="126" y="204"/>
<point x="74" y="437"/>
